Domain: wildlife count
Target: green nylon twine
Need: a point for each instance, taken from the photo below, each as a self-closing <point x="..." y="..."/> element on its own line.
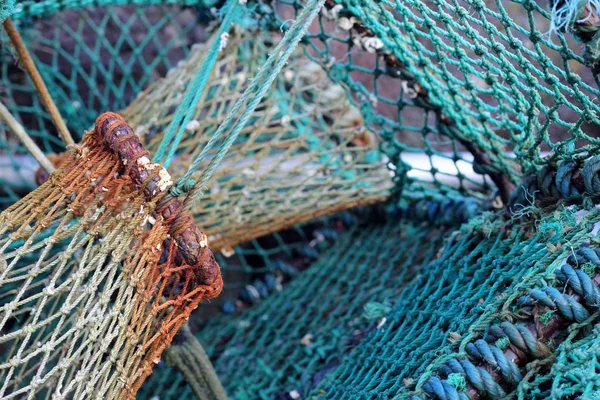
<point x="259" y="86"/>
<point x="186" y="108"/>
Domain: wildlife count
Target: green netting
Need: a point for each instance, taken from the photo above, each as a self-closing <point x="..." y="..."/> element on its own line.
<point x="575" y="365"/>
<point x="407" y="90"/>
<point x="95" y="87"/>
<point x="289" y="342"/>
<point x="465" y="99"/>
<point x="97" y="59"/>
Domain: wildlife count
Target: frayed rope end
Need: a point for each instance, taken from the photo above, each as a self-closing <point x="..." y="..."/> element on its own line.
<point x="566" y="13"/>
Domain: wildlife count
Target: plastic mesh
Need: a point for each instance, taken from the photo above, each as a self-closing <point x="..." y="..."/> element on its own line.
<point x="289" y="342"/>
<point x="514" y="291"/>
<point x="465" y="99"/>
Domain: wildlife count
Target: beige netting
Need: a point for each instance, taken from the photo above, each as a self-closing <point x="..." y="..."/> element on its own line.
<point x="98" y="270"/>
<point x="304" y="154"/>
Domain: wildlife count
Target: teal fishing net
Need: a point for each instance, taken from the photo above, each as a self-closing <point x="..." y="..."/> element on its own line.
<point x="480" y="122"/>
<point x="319" y="317"/>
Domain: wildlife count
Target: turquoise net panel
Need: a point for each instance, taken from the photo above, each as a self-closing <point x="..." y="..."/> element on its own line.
<point x="291" y="341"/>
<point x="467" y="100"/>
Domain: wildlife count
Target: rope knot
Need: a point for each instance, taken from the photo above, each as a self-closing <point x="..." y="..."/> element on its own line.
<point x="182" y="186"/>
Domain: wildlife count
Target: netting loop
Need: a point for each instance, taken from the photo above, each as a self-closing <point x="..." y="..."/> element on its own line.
<point x="182" y="186"/>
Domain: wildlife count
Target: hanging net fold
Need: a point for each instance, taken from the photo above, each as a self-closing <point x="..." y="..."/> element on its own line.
<point x="98" y="271"/>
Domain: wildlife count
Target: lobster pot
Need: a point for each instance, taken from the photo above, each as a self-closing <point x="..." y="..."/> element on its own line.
<point x="473" y="125"/>
<point x="92" y="286"/>
<point x="304" y="154"/>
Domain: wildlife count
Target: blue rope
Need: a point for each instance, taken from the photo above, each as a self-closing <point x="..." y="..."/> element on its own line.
<point x="188" y="105"/>
<point x="519" y="335"/>
<point x="259" y="86"/>
<point x="568" y="180"/>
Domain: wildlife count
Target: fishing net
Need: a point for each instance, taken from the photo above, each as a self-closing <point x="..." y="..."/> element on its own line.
<point x="305" y="152"/>
<point x="320" y="316"/>
<point x="480" y="113"/>
<point x="99" y="270"/>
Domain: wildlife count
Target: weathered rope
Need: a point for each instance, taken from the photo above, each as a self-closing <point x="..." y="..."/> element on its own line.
<point x="192" y="244"/>
<point x="567" y="180"/>
<point x="38" y="82"/>
<point x="443" y="212"/>
<point x="188" y="356"/>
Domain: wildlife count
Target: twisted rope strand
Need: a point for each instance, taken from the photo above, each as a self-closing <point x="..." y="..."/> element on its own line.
<point x="291" y="39"/>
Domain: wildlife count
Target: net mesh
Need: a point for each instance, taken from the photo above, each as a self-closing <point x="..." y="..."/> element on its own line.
<point x="92" y="60"/>
<point x="89" y="300"/>
<point x="291" y="341"/>
<point x="472" y="105"/>
<point x="304" y="154"/>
